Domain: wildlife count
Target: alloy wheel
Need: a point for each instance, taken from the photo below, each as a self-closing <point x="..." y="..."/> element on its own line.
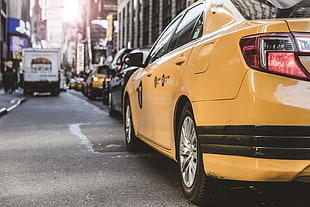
<point x="188" y="151"/>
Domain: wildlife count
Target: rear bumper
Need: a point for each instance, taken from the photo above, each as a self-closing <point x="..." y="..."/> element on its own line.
<point x="256" y="153"/>
<point x="41" y="86"/>
<point x="96" y="91"/>
<point x="275" y="142"/>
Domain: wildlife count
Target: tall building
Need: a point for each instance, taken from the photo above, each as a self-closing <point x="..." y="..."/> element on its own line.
<point x="37" y="25"/>
<point x="3" y="35"/>
<point x="95" y="38"/>
<point x="141" y="21"/>
<point x="54" y="18"/>
<point x="15" y="32"/>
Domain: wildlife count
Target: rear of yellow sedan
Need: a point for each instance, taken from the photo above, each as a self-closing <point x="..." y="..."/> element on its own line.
<point x="259" y="131"/>
<point x="237" y="98"/>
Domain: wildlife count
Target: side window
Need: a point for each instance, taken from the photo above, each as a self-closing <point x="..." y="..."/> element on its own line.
<point x="189" y="29"/>
<point x="198" y="29"/>
<point x="160" y="48"/>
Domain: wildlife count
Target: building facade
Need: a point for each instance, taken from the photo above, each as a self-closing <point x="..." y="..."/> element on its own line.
<point x="95" y="40"/>
<point x="3" y="35"/>
<point x="141" y="21"/>
<point x="14" y="33"/>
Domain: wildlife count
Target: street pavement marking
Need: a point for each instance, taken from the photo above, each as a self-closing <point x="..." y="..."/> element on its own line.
<point x="76" y="130"/>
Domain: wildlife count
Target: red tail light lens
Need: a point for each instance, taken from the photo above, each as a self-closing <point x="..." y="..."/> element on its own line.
<point x="276" y="53"/>
<point x="284" y="63"/>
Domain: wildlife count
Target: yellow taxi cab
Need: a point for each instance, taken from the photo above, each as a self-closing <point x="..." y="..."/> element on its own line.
<point x="225" y="92"/>
<point x="94" y="82"/>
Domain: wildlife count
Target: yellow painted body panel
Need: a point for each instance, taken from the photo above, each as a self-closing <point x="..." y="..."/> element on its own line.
<point x="263" y="99"/>
<point x="99" y="83"/>
<point x="253" y="169"/>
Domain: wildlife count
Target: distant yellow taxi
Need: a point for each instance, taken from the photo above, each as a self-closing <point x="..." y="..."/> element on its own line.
<point x="225" y="92"/>
<point x="94" y="82"/>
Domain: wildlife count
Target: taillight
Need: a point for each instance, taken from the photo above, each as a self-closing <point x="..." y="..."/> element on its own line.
<point x="277" y="53"/>
<point x="303" y="43"/>
<point x="95" y="79"/>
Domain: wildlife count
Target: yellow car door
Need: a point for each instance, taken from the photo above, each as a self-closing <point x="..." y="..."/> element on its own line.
<point x="163" y="75"/>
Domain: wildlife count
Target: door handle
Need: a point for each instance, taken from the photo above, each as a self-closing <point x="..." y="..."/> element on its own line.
<point x="180" y="60"/>
<point x="149" y="73"/>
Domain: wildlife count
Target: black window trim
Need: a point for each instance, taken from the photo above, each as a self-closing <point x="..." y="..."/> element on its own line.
<point x="181" y="16"/>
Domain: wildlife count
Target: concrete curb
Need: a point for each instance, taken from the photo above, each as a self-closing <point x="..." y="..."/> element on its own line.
<point x="16" y="102"/>
<point x="3" y="111"/>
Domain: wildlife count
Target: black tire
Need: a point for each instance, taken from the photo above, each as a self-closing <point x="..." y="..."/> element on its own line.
<point x="197" y="187"/>
<point x="55" y="92"/>
<point x="132" y="142"/>
<point x="110" y="105"/>
<point x="104" y="94"/>
<point x="90" y="94"/>
<point x="27" y="92"/>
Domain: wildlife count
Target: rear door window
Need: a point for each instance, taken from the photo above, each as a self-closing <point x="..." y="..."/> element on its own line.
<point x="161" y="46"/>
<point x="189" y="28"/>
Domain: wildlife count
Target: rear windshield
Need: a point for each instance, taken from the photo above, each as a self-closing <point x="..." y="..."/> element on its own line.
<point x="102" y="70"/>
<point x="271" y="9"/>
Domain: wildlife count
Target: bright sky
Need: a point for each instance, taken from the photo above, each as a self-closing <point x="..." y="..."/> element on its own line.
<point x="70" y="10"/>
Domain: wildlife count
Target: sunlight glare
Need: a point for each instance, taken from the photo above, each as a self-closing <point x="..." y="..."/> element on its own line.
<point x="70" y="10"/>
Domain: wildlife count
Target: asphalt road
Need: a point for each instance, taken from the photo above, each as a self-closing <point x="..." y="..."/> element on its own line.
<point x="67" y="151"/>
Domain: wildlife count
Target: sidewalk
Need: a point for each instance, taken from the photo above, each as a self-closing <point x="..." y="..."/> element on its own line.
<point x="8" y="101"/>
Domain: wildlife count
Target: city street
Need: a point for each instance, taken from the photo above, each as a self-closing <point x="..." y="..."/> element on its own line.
<point x="67" y="151"/>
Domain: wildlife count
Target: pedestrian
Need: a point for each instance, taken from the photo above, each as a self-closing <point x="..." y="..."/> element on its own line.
<point x="5" y="80"/>
<point x="10" y="80"/>
<point x="14" y="80"/>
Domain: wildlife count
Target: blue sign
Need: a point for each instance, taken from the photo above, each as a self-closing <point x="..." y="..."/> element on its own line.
<point x="19" y="26"/>
<point x="18" y="43"/>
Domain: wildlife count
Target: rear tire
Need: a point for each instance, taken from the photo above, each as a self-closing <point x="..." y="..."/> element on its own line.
<point x="55" y="92"/>
<point x="197" y="187"/>
<point x="90" y="94"/>
<point x="132" y="142"/>
<point x="110" y="105"/>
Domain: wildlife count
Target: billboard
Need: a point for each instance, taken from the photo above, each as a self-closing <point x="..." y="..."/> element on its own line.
<point x="17" y="43"/>
<point x="19" y="26"/>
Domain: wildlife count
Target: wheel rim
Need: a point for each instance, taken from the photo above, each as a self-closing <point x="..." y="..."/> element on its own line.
<point x="128" y="124"/>
<point x="188" y="151"/>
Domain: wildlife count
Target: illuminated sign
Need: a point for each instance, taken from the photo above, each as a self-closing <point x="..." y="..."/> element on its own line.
<point x="19" y="26"/>
<point x="17" y="43"/>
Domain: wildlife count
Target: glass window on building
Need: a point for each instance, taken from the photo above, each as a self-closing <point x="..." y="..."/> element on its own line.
<point x="155" y="20"/>
<point x="146" y="22"/>
<point x="166" y="12"/>
<point x="127" y="24"/>
<point x="180" y="5"/>
<point x="124" y="28"/>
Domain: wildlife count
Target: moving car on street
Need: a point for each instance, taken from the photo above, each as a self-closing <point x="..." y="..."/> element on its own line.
<point x="225" y="92"/>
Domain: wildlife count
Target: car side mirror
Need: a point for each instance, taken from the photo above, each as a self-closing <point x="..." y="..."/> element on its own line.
<point x="134" y="59"/>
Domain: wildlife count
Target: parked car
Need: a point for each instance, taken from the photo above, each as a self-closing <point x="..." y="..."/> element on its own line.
<point x="72" y="82"/>
<point x="94" y="82"/>
<point x="118" y="81"/>
<point x="225" y="92"/>
<point x="115" y="65"/>
<point x="79" y="83"/>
